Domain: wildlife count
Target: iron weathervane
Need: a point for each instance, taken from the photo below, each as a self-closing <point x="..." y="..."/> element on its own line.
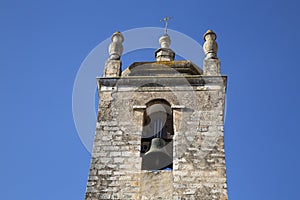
<point x="166" y="20"/>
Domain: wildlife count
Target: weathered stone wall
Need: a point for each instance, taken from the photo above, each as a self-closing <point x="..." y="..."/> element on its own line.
<point x="199" y="173"/>
<point x="156" y="185"/>
<point x="198" y="151"/>
<point x="115" y="165"/>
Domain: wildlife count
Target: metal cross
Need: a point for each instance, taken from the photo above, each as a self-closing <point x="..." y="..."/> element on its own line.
<point x="166" y="19"/>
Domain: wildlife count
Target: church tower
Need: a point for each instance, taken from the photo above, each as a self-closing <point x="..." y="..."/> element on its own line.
<point x="160" y="127"/>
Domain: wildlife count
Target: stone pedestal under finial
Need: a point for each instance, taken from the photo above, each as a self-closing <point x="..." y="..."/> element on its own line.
<point x="164" y="53"/>
<point x="211" y="62"/>
<point x="113" y="64"/>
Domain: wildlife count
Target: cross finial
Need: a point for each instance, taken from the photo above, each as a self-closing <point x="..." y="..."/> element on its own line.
<point x="166" y="19"/>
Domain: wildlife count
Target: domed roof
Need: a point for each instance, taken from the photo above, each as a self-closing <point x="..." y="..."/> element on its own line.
<point x="162" y="68"/>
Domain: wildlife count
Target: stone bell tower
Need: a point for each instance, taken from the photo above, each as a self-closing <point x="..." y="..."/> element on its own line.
<point x="160" y="127"/>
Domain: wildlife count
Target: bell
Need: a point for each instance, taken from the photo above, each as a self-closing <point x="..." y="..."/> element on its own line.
<point x="157" y="157"/>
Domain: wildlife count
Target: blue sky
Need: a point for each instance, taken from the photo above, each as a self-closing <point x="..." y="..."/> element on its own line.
<point x="43" y="43"/>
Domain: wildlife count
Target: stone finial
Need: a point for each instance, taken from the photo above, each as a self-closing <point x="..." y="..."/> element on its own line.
<point x="165" y="41"/>
<point x="210" y="46"/>
<point x="113" y="65"/>
<point x="211" y="63"/>
<point x="116" y="47"/>
<point x="164" y="53"/>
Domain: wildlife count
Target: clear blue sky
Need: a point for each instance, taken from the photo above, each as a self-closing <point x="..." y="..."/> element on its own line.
<point x="43" y="43"/>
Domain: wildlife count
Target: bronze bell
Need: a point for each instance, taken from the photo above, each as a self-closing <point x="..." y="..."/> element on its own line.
<point x="157" y="157"/>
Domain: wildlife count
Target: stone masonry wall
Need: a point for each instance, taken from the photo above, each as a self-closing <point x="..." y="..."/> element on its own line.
<point x="199" y="170"/>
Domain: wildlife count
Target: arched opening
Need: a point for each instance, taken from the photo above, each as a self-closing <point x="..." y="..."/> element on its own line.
<point x="157" y="136"/>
